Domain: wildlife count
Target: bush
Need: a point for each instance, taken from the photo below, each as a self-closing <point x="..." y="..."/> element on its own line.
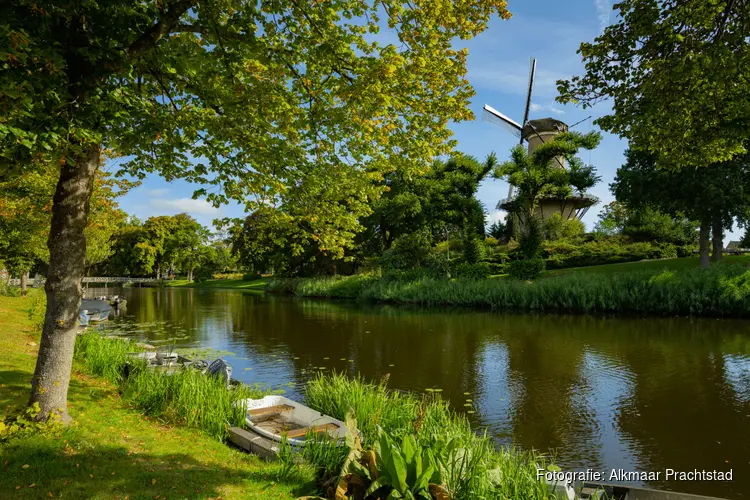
<point x="408" y="251"/>
<point x="526" y="270"/>
<point x="563" y="254"/>
<point x="9" y="290"/>
<point x="473" y="250"/>
<point x="556" y="228"/>
<point x="477" y="271"/>
<point x="251" y="276"/>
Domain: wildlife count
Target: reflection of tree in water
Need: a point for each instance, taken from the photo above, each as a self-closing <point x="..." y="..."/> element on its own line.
<point x="684" y="397"/>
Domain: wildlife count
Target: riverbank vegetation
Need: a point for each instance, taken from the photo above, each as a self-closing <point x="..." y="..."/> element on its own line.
<point x="721" y="290"/>
<point x="114" y="450"/>
<point x="469" y="464"/>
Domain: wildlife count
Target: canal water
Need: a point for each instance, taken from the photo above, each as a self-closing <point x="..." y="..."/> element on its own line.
<point x="601" y="393"/>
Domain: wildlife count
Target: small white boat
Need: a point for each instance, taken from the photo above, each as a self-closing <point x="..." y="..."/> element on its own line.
<point x="275" y="416"/>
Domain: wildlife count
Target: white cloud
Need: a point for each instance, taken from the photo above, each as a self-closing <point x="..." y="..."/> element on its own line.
<point x="603" y="10"/>
<point x="514" y="79"/>
<point x="189" y="205"/>
<point x="497" y="215"/>
<point x="158" y="192"/>
<point x="536" y="108"/>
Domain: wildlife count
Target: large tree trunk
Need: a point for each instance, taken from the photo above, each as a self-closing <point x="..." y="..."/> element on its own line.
<point x="703" y="242"/>
<point x="717" y="240"/>
<point x="24" y="282"/>
<point x="67" y="248"/>
<point x="190" y="274"/>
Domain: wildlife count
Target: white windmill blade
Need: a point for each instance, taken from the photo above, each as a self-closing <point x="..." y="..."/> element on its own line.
<point x="493" y="116"/>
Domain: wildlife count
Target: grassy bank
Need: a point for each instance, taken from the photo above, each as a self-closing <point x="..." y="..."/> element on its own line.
<point x="722" y="290"/>
<point x="258" y="284"/>
<point x="474" y="467"/>
<point x="113" y="450"/>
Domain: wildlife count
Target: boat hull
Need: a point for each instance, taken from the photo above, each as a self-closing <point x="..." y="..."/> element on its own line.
<point x="273" y="417"/>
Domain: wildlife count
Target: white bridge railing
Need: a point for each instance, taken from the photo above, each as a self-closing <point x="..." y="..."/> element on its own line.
<point x="36" y="282"/>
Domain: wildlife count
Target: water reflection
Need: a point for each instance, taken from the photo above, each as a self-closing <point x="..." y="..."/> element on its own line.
<point x="631" y="393"/>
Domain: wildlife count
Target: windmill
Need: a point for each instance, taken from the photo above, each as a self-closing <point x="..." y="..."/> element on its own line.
<point x="491" y="115"/>
<point x="536" y="132"/>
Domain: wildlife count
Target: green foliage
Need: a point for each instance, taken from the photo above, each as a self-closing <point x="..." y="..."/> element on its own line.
<point x="404" y="470"/>
<point x="469" y="466"/>
<point x="251" y="276"/>
<point x="37" y="310"/>
<point x="473" y="249"/>
<point x="539" y="176"/>
<point x="497" y="230"/>
<point x="526" y="269"/>
<point x="104" y="357"/>
<point x="532" y="238"/>
<point x="702" y="194"/>
<point x="722" y="290"/>
<point x="674" y="73"/>
<point x="407" y="252"/>
<point x="9" y="290"/>
<point x="561" y="255"/>
<point x="186" y="396"/>
<point x="556" y="228"/>
<point x="25" y="424"/>
<point x="476" y="271"/>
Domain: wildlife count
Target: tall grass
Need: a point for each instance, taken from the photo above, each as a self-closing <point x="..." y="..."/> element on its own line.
<point x="183" y="397"/>
<point x="477" y="468"/>
<point x="722" y="290"/>
<point x="104" y="357"/>
<point x="190" y="398"/>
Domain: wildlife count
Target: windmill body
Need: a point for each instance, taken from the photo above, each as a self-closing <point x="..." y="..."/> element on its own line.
<point x="535" y="133"/>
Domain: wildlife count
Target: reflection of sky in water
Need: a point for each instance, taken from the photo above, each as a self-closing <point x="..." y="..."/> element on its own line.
<point x="738" y="375"/>
<point x="608" y="383"/>
<point x="493" y="399"/>
<point x="605" y="393"/>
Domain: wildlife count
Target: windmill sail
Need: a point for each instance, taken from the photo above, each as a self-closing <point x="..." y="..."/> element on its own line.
<point x="493" y="116"/>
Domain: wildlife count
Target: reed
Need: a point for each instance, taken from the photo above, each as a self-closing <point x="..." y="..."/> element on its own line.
<point x="190" y="398"/>
<point x="722" y="290"/>
<point x="185" y="396"/>
<point x="477" y="469"/>
<point x="102" y="356"/>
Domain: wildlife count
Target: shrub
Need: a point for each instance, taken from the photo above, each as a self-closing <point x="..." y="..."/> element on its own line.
<point x="9" y="290"/>
<point x="473" y="250"/>
<point x="251" y="276"/>
<point x="479" y="270"/>
<point x="407" y="251"/>
<point x="526" y="270"/>
<point x="563" y="254"/>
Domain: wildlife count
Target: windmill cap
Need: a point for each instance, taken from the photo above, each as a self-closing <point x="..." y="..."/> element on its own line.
<point x="544" y="125"/>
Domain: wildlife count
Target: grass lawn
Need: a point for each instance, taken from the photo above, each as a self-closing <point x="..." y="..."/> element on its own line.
<point x="259" y="284"/>
<point x="647" y="265"/>
<point x="112" y="451"/>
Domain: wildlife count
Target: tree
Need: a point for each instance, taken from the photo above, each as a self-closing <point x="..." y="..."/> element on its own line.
<point x="184" y="245"/>
<point x="26" y="214"/>
<point x="539" y="176"/>
<point x="713" y="195"/>
<point x="676" y="75"/>
<point x="276" y="100"/>
<point x="442" y="200"/>
<point x="497" y="230"/>
<point x="646" y="224"/>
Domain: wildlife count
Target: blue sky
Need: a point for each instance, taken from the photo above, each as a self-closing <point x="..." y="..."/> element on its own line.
<point x="498" y="67"/>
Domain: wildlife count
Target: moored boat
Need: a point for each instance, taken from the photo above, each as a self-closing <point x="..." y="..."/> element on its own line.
<point x="274" y="417"/>
<point x="95" y="310"/>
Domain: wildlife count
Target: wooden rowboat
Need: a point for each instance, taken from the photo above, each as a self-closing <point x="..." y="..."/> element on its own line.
<point x="275" y="416"/>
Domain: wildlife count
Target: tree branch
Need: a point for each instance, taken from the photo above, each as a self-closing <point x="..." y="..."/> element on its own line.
<point x="165" y="24"/>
